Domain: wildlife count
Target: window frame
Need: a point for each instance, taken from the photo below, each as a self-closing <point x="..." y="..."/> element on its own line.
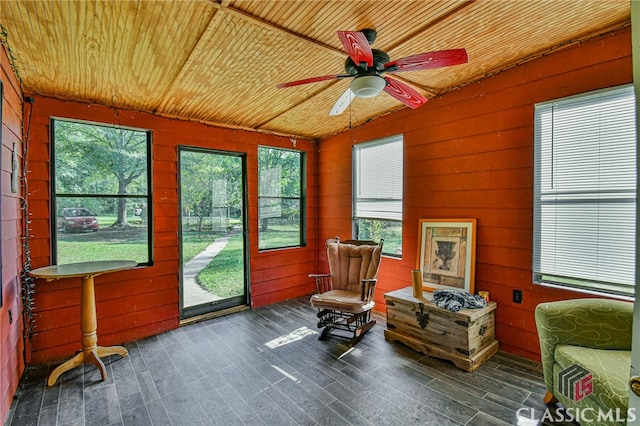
<point x="399" y="138"/>
<point x="540" y="274"/>
<point x="302" y="225"/>
<point x="54" y="195"/>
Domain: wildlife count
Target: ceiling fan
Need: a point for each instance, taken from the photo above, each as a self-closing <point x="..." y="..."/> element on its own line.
<point x="367" y="65"/>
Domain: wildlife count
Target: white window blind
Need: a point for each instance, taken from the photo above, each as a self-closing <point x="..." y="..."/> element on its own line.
<point x="378" y="179"/>
<point x="585" y="191"/>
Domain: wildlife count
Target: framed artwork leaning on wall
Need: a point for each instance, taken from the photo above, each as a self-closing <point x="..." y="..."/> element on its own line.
<point x="446" y="253"/>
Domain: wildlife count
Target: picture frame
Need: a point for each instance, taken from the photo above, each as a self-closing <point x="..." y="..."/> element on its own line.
<point x="446" y="254"/>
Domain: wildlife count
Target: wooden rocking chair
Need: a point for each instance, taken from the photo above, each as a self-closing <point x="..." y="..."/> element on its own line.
<point x="344" y="297"/>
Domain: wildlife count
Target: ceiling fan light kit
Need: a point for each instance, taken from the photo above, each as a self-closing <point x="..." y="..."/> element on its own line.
<point x="366" y="66"/>
<point x="367" y="86"/>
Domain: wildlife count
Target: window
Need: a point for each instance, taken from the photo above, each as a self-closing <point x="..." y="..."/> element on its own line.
<point x="100" y="193"/>
<point x="585" y="192"/>
<point x="377" y="193"/>
<point x="281" y="203"/>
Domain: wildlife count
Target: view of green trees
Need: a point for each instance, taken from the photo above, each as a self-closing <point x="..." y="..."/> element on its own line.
<point x="211" y="190"/>
<point x="389" y="230"/>
<point x="102" y="169"/>
<point x="100" y="160"/>
<point x="211" y="202"/>
<point x="280" y="175"/>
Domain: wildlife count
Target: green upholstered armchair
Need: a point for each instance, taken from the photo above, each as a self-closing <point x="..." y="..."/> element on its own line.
<point x="594" y="334"/>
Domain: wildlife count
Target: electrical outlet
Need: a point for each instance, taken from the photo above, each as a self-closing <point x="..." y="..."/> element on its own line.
<point x="517" y="296"/>
<point x="10" y="317"/>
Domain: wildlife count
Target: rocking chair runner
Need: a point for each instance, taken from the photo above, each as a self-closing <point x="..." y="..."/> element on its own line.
<point x="344" y="297"/>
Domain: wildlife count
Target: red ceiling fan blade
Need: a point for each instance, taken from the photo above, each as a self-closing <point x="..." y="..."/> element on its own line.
<point x="357" y="46"/>
<point x="312" y="80"/>
<point x="404" y="93"/>
<point x="425" y="61"/>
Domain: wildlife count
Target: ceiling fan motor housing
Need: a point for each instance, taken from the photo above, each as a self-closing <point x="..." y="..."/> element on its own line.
<point x="370" y="34"/>
<point x="368" y="83"/>
<point x="379" y="59"/>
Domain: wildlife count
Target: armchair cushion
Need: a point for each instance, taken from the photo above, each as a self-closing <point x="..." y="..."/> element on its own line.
<point x="593" y="323"/>
<point x="609" y="370"/>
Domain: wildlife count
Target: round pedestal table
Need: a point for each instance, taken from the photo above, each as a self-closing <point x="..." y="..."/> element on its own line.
<point x="86" y="271"/>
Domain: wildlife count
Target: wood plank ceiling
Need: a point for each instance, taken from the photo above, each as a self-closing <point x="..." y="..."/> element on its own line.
<point x="219" y="62"/>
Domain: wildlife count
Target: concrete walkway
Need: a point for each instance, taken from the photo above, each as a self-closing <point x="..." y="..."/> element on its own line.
<point x="193" y="294"/>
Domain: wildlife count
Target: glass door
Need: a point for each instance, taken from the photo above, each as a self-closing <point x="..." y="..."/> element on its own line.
<point x="213" y="248"/>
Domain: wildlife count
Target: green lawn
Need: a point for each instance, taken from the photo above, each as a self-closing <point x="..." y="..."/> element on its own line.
<point x="193" y="243"/>
<point x="224" y="276"/>
<point x="119" y="243"/>
<point x="106" y="243"/>
<point x="279" y="236"/>
<point x="83" y="251"/>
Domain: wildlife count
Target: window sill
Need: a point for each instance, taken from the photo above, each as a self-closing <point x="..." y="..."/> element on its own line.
<point x="587" y="291"/>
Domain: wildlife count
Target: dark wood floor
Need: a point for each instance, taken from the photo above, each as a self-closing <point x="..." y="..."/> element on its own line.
<point x="266" y="366"/>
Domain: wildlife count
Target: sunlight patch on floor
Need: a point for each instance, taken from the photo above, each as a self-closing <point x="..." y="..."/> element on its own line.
<point x="294" y="336"/>
<point x="285" y="374"/>
<point x="347" y="352"/>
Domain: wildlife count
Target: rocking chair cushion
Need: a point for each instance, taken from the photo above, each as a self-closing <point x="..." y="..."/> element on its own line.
<point x="341" y="300"/>
<point x="350" y="264"/>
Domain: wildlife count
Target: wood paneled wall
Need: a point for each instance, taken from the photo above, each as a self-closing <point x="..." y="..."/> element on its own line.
<point x="11" y="342"/>
<point x="142" y="302"/>
<point x="469" y="153"/>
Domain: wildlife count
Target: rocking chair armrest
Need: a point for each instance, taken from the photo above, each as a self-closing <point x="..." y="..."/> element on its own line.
<point x="368" y="287"/>
<point x="323" y="282"/>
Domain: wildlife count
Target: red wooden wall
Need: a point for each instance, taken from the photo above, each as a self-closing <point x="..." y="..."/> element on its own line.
<point x="11" y="343"/>
<point x="142" y="302"/>
<point x="467" y="154"/>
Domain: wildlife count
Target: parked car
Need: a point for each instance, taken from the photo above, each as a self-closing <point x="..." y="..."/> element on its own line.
<point x="77" y="219"/>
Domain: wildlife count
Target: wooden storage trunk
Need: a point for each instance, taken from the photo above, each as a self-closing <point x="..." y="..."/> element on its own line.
<point x="467" y="338"/>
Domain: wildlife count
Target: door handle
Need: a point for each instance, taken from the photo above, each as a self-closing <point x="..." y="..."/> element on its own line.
<point x="634" y="383"/>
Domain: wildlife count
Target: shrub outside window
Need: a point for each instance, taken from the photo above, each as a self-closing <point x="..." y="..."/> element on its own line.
<point x="100" y="193"/>
<point x="377" y="192"/>
<point x="281" y="201"/>
<point x="585" y="192"/>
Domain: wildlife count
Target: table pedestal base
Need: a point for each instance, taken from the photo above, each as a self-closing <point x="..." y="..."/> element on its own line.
<point x="91" y="352"/>
<point x="88" y="357"/>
